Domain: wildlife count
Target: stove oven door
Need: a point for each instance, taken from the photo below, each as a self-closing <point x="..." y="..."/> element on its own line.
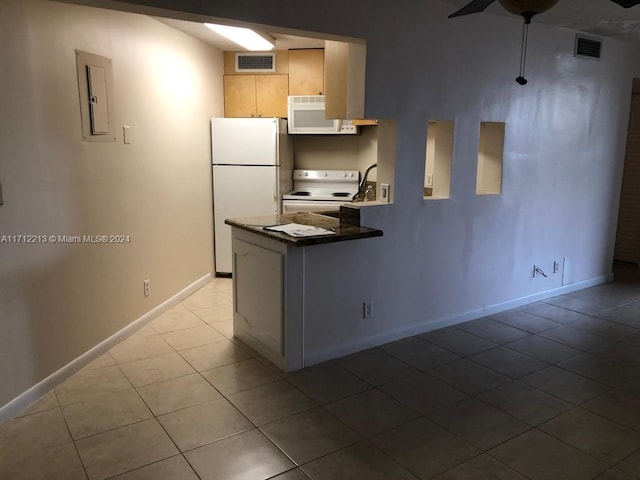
<point x="293" y="206"/>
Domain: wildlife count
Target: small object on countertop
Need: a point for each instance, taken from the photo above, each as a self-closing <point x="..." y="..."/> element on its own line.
<point x="369" y="196"/>
<point x="299" y="230"/>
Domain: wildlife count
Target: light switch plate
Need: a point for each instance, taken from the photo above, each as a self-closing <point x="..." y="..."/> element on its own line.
<point x="384" y="192"/>
<point x="127" y="134"/>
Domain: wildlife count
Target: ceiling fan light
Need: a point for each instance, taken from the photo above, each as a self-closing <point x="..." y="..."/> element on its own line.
<point x="244" y="37"/>
<point x="520" y="7"/>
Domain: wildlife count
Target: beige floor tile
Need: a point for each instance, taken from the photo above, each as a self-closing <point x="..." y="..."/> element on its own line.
<point x="214" y="355"/>
<point x="117" y="451"/>
<point x="177" y="318"/>
<point x="195" y="426"/>
<point x="46" y="402"/>
<point x="423" y="393"/>
<point x="156" y="369"/>
<point x="170" y="395"/>
<point x="270" y="402"/>
<point x="138" y="347"/>
<point x="481" y="467"/>
<point x="60" y="462"/>
<point x="105" y="360"/>
<point x="220" y="313"/>
<point x="478" y="423"/>
<point x="631" y="464"/>
<point x="371" y="412"/>
<point x="594" y="435"/>
<point x="295" y="474"/>
<point x="421" y="354"/>
<point x="192" y="337"/>
<point x="424" y="448"/>
<point x="468" y="376"/>
<point x="525" y="402"/>
<point x="88" y="383"/>
<point x="224" y="328"/>
<point x="328" y="382"/>
<point x="32" y="433"/>
<point x="540" y="456"/>
<point x="614" y="474"/>
<point x="359" y="462"/>
<point x="146" y="331"/>
<point x="309" y="435"/>
<point x="226" y="294"/>
<point x="565" y="385"/>
<point x="174" y="468"/>
<point x="376" y="366"/>
<point x="105" y="413"/>
<point x="220" y="283"/>
<point x="240" y="376"/>
<point x="246" y="456"/>
<point x="205" y="298"/>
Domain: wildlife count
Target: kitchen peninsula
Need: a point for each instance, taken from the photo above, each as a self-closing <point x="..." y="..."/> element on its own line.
<point x="269" y="280"/>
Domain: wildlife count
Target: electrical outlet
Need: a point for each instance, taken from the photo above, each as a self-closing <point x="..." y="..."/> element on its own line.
<point x="384" y="192"/>
<point x="367" y="309"/>
<point x="147" y="287"/>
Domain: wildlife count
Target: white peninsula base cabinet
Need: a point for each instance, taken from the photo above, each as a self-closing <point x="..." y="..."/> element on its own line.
<point x="268" y="298"/>
<point x="270" y="274"/>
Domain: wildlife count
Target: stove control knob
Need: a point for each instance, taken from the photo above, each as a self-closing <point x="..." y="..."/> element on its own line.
<point x="306" y="174"/>
<point x="344" y="174"/>
<point x="326" y="174"/>
<point x="351" y="174"/>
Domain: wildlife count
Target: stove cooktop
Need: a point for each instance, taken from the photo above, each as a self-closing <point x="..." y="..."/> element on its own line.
<point x="324" y="185"/>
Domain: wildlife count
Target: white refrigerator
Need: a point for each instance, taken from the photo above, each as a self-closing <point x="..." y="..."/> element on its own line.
<point x="252" y="167"/>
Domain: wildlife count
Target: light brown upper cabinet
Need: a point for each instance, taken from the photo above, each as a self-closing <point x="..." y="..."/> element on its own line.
<point x="306" y="71"/>
<point x="255" y="95"/>
<point x="344" y="75"/>
<point x="256" y="88"/>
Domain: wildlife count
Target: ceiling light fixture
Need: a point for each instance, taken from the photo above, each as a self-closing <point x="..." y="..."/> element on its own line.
<point x="244" y="37"/>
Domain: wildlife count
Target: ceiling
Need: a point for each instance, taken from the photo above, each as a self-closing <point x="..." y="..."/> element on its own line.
<point x="199" y="31"/>
<point x="598" y="17"/>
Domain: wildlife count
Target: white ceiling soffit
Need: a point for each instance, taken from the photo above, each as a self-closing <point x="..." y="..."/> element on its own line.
<point x="598" y="17"/>
<point x="199" y="31"/>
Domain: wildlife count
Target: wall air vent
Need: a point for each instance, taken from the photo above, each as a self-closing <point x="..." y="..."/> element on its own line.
<point x="588" y="46"/>
<point x="255" y="62"/>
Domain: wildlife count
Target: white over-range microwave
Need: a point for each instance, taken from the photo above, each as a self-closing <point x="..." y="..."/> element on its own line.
<point x="306" y="116"/>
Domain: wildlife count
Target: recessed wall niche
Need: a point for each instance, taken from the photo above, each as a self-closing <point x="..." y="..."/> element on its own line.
<point x="437" y="171"/>
<point x="490" y="156"/>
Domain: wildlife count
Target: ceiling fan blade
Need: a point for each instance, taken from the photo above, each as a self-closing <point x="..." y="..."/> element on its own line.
<point x="475" y="6"/>
<point x="627" y="3"/>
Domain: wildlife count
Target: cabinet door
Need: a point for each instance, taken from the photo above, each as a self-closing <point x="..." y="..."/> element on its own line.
<point x="258" y="276"/>
<point x="271" y="95"/>
<point x="306" y="72"/>
<point x="240" y="96"/>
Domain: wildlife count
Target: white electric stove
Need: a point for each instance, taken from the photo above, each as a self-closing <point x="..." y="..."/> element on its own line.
<point x="320" y="190"/>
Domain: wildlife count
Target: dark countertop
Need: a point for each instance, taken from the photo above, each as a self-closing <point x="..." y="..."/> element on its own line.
<point x="343" y="231"/>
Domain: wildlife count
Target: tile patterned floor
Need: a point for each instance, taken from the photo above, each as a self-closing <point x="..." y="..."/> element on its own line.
<point x="547" y="391"/>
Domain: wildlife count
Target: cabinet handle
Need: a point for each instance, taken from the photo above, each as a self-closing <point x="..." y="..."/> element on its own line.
<point x="260" y="115"/>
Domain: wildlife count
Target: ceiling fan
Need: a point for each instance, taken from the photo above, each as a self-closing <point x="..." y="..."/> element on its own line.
<point x="527" y="9"/>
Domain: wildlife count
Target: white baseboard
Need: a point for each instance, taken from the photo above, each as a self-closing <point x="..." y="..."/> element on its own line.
<point x="418" y="328"/>
<point x="25" y="399"/>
